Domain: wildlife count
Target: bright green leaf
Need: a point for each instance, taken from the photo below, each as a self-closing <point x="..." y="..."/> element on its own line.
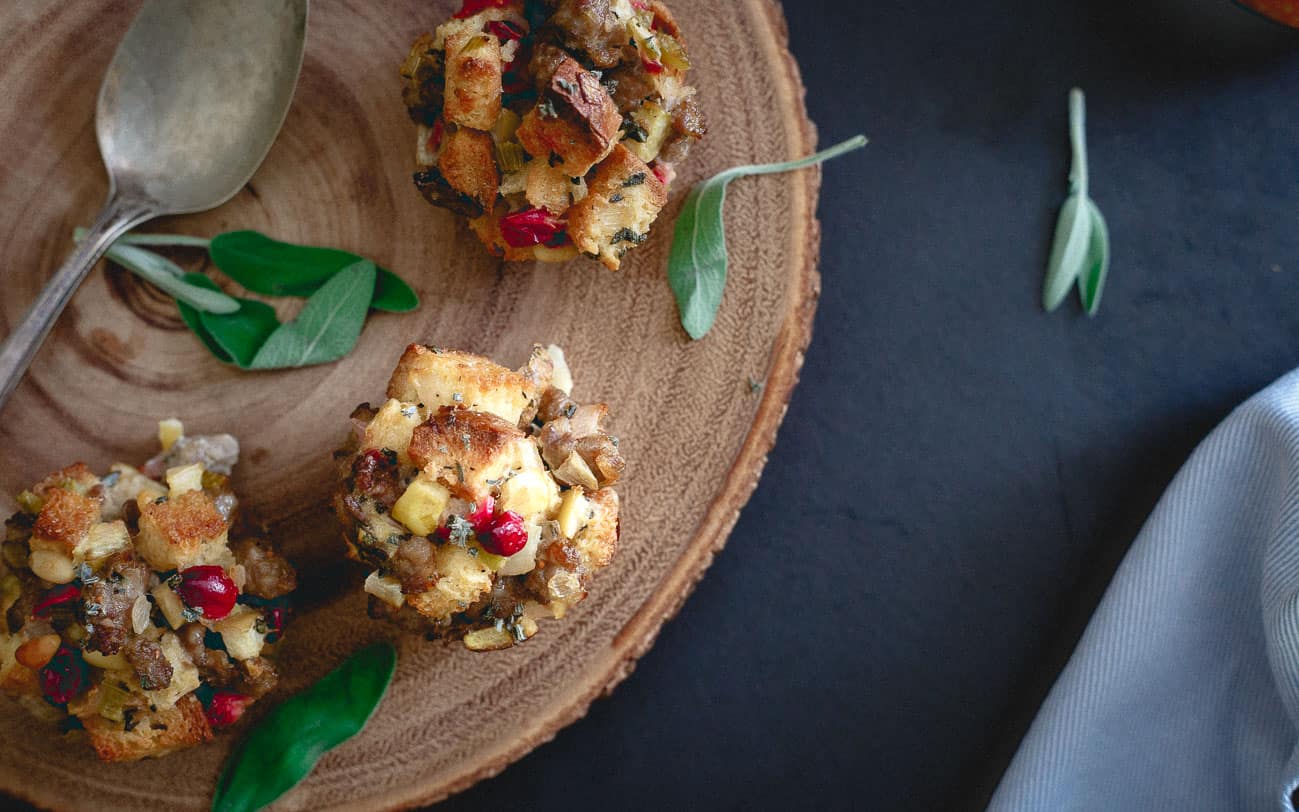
<point x="274" y="268"/>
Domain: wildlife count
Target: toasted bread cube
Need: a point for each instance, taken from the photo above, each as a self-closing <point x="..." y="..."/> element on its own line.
<point x="153" y="733"/>
<point x="575" y="124"/>
<point x="76" y="478"/>
<point x="549" y="188"/>
<point x="598" y="538"/>
<point x="181" y="532"/>
<point x="473" y="80"/>
<point x="462" y="580"/>
<point x="616" y="215"/>
<point x="468" y="162"/>
<point x="391" y="429"/>
<point x="239" y="632"/>
<point x="469" y="451"/>
<point x="434" y="378"/>
<point x="64" y="520"/>
<point x="421" y="506"/>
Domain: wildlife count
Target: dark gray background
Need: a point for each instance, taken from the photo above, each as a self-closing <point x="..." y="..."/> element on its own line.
<point x="959" y="473"/>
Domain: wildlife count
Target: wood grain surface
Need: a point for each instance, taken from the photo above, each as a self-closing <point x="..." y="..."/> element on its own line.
<point x="694" y="429"/>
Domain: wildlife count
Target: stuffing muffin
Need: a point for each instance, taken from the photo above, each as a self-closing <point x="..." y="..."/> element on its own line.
<point x="128" y="611"/>
<point x="481" y="498"/>
<point x="553" y="125"/>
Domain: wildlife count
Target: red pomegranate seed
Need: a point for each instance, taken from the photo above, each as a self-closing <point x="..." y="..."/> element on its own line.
<point x="504" y="30"/>
<point x="472" y="7"/>
<point x="65" y="676"/>
<point x="226" y="708"/>
<point x="208" y="589"/>
<point x="652" y="65"/>
<point x="56" y="596"/>
<point x="531" y="227"/>
<point x="481" y="518"/>
<point x="508" y="536"/>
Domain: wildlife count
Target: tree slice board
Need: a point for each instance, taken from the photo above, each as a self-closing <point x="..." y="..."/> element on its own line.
<point x="694" y="424"/>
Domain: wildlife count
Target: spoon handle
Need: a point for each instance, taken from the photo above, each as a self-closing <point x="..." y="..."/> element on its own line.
<point x="119" y="215"/>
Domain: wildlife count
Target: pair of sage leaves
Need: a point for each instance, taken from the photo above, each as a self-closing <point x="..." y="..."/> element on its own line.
<point x="340" y="288"/>
<point x="1080" y="251"/>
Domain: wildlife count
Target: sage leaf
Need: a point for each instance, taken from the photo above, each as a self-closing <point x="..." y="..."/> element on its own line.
<point x="1080" y="249"/>
<point x="328" y="326"/>
<point x="237" y="335"/>
<point x="151" y="239"/>
<point x="192" y="319"/>
<point x="1091" y="284"/>
<point x="697" y="263"/>
<point x="1068" y="251"/>
<point x="285" y="746"/>
<point x="168" y="277"/>
<point x="274" y="268"/>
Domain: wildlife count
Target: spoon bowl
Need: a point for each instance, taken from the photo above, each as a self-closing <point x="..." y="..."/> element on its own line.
<point x="189" y="107"/>
<point x="195" y="96"/>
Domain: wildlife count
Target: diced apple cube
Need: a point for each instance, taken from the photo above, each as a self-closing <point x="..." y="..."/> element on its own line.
<point x="420" y="508"/>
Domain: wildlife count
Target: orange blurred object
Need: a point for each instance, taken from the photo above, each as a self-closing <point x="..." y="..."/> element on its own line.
<point x="1283" y="11"/>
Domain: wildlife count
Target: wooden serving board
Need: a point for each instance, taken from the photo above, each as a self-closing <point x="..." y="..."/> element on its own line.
<point x="695" y="431"/>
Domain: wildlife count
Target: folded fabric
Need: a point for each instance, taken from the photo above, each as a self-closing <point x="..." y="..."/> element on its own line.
<point x="1183" y="692"/>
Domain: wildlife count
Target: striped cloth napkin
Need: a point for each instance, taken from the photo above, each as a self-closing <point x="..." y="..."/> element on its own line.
<point x="1183" y="692"/>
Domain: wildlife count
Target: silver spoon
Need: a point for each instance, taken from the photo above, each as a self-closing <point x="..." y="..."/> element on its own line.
<point x="192" y="102"/>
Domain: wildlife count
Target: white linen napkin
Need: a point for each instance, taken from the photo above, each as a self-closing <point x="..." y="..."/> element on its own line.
<point x="1183" y="692"/>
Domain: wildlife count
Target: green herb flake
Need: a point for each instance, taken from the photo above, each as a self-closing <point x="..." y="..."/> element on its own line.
<point x="697" y="263"/>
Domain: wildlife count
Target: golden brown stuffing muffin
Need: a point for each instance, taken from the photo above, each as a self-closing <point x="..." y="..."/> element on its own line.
<point x="553" y="125"/>
<point x="127" y="612"/>
<point x="481" y="497"/>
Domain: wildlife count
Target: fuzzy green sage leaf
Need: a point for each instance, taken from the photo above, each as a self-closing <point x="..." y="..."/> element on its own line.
<point x="285" y="746"/>
<point x="697" y="263"/>
<point x="193" y="319"/>
<point x="328" y="326"/>
<point x="232" y="337"/>
<point x="168" y="277"/>
<point x="1080" y="249"/>
<point x="274" y="268"/>
<point x="1092" y="281"/>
